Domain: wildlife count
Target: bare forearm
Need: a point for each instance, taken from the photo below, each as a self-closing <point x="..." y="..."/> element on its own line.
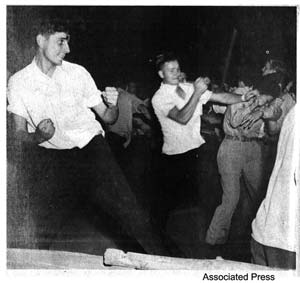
<point x="110" y="114"/>
<point x="226" y="98"/>
<point x="21" y="132"/>
<point x="183" y="115"/>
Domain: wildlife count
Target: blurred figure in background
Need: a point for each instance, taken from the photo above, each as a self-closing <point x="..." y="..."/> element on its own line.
<point x="120" y="133"/>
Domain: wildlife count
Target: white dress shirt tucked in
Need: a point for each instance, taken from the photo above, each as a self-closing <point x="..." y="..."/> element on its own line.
<point x="277" y="220"/>
<point x="65" y="98"/>
<point x="178" y="138"/>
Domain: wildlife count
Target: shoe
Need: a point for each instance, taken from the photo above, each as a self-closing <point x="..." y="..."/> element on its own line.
<point x="220" y="240"/>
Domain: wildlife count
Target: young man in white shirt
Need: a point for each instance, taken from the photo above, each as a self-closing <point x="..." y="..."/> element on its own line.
<point x="178" y="107"/>
<point x="65" y="156"/>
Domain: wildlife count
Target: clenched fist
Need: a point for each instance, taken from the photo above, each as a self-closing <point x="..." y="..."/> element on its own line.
<point x="45" y="130"/>
<point x="110" y="96"/>
<point x="201" y="84"/>
<point x="250" y="95"/>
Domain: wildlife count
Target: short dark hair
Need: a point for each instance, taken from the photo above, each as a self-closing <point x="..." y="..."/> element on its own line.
<point x="50" y="26"/>
<point x="161" y="59"/>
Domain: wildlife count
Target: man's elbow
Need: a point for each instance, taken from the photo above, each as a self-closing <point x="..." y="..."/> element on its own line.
<point x="179" y="120"/>
<point x="183" y="122"/>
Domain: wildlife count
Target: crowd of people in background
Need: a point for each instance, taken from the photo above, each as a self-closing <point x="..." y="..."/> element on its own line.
<point x="192" y="143"/>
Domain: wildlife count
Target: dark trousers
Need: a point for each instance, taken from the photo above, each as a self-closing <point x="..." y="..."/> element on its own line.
<point x="116" y="144"/>
<point x="179" y="182"/>
<point x="59" y="180"/>
<point x="273" y="257"/>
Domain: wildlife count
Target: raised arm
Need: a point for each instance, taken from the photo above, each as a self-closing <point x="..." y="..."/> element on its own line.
<point x="183" y="115"/>
<point x="232" y="98"/>
<point x="109" y="111"/>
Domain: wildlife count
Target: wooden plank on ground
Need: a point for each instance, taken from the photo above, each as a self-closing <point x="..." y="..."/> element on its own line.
<point x="115" y="257"/>
<point x="48" y="259"/>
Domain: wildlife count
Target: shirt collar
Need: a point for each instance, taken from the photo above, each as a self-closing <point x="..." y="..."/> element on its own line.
<point x="39" y="72"/>
<point x="168" y="86"/>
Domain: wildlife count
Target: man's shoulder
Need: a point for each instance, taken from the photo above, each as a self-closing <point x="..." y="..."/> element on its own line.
<point x="22" y="75"/>
<point x="158" y="95"/>
<point x="73" y="67"/>
<point x="163" y="98"/>
<point x="162" y="92"/>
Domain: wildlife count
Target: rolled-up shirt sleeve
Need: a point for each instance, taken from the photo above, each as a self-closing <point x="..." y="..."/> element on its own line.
<point x="164" y="103"/>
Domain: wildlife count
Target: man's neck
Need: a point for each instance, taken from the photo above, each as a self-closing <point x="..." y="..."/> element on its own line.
<point x="45" y="66"/>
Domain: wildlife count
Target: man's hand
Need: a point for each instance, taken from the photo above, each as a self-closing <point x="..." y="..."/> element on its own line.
<point x="251" y="94"/>
<point x="273" y="112"/>
<point x="263" y="99"/>
<point x="110" y="96"/>
<point x="251" y="118"/>
<point x="200" y="85"/>
<point x="45" y="130"/>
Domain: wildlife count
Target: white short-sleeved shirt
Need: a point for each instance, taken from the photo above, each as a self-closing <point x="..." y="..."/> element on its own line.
<point x="277" y="220"/>
<point x="65" y="98"/>
<point x="178" y="138"/>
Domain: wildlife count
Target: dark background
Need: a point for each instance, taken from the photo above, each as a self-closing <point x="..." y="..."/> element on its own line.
<point x="119" y="43"/>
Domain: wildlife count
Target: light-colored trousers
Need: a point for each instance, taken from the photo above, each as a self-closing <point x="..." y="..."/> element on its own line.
<point x="236" y="159"/>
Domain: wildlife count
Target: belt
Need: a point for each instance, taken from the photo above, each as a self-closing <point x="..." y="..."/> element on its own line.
<point x="242" y="139"/>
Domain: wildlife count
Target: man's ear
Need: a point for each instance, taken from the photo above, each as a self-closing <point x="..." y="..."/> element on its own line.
<point x="161" y="74"/>
<point x="40" y="39"/>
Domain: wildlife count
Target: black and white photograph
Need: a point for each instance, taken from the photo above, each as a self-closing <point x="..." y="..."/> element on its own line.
<point x="153" y="137"/>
